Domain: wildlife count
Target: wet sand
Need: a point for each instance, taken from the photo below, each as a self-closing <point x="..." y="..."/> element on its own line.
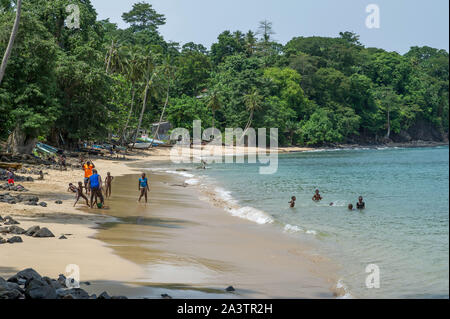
<point x="187" y="245"/>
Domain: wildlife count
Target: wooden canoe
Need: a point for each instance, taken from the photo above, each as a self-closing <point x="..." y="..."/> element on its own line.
<point x="11" y="165"/>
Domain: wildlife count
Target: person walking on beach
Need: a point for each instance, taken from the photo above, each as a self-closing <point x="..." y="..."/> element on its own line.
<point x="143" y="187"/>
<point x="88" y="167"/>
<point x="95" y="184"/>
<point x="108" y="182"/>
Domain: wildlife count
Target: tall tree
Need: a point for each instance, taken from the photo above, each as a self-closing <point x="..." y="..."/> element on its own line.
<point x="12" y="38"/>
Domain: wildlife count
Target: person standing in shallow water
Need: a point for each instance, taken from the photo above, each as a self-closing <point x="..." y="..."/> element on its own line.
<point x="143" y="187"/>
<point x="361" y="205"/>
<point x="95" y="184"/>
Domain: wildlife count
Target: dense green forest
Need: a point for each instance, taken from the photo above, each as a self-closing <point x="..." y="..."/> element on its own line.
<point x="68" y="85"/>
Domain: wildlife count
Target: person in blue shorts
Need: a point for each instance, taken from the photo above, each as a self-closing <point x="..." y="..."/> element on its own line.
<point x="143" y="187"/>
<point x="95" y="184"/>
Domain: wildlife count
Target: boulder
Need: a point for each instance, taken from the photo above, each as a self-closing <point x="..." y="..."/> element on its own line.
<point x="15" y="239"/>
<point x="2" y="241"/>
<point x="22" y="276"/>
<point x="39" y="289"/>
<point x="43" y="233"/>
<point x="76" y="293"/>
<point x="43" y="204"/>
<point x="104" y="295"/>
<point x="32" y="230"/>
<point x="16" y="230"/>
<point x="230" y="289"/>
<point x="58" y="202"/>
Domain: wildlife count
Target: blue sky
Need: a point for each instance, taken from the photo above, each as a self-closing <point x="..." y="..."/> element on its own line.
<point x="403" y="23"/>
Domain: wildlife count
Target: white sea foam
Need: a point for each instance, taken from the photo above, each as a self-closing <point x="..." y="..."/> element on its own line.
<point x="251" y="214"/>
<point x="192" y="181"/>
<point x="296" y="229"/>
<point x="248" y="213"/>
<point x="184" y="174"/>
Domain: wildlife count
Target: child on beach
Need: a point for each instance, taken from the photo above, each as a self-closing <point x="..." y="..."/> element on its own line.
<point x="292" y="202"/>
<point x="108" y="181"/>
<point x="79" y="193"/>
<point x="317" y="197"/>
<point x="143" y="187"/>
<point x="88" y="167"/>
<point x="10" y="176"/>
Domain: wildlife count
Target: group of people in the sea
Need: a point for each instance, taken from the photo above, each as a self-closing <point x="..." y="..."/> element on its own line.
<point x="99" y="190"/>
<point x="360" y="205"/>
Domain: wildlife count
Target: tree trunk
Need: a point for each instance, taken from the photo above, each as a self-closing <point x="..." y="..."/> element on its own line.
<point x="388" y="135"/>
<point x="156" y="136"/>
<point x="144" y="104"/>
<point x="20" y="143"/>
<point x="129" y="113"/>
<point x="108" y="63"/>
<point x="11" y="41"/>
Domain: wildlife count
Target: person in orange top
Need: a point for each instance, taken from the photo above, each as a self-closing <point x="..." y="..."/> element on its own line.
<point x="88" y="167"/>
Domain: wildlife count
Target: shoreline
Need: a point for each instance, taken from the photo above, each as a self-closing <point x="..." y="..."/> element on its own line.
<point x="99" y="261"/>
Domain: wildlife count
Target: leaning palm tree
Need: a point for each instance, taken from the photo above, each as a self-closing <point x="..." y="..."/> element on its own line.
<point x="151" y="72"/>
<point x="168" y="73"/>
<point x="253" y="102"/>
<point x="215" y="104"/>
<point x="134" y="64"/>
<point x="14" y="32"/>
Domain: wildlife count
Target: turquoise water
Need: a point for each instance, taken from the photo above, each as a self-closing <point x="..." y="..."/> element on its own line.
<point x="404" y="230"/>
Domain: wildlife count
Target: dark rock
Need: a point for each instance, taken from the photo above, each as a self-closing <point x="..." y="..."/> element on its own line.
<point x="16" y="230"/>
<point x="87" y="283"/>
<point x="4" y="230"/>
<point x="9" y="290"/>
<point x="15" y="239"/>
<point x="11" y="221"/>
<point x="24" y="275"/>
<point x="32" y="230"/>
<point x="104" y="295"/>
<point x="39" y="289"/>
<point x="62" y="280"/>
<point x="230" y="289"/>
<point x="58" y="202"/>
<point x="43" y="233"/>
<point x="62" y="237"/>
<point x="43" y="204"/>
<point x="2" y="241"/>
<point x="166" y="296"/>
<point x="76" y="293"/>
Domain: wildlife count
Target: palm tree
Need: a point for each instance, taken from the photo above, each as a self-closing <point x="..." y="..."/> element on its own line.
<point x="168" y="72"/>
<point x="14" y="32"/>
<point x="133" y="66"/>
<point x="253" y="102"/>
<point x="150" y="74"/>
<point x="214" y="103"/>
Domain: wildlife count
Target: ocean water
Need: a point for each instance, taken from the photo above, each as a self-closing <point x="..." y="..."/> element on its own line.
<point x="404" y="230"/>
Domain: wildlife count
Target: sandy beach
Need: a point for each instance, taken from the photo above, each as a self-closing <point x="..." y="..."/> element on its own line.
<point x="182" y="242"/>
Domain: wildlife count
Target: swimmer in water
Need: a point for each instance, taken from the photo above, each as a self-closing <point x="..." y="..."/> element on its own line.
<point x="361" y="204"/>
<point x="317" y="197"/>
<point x="292" y="202"/>
<point x="350" y="207"/>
